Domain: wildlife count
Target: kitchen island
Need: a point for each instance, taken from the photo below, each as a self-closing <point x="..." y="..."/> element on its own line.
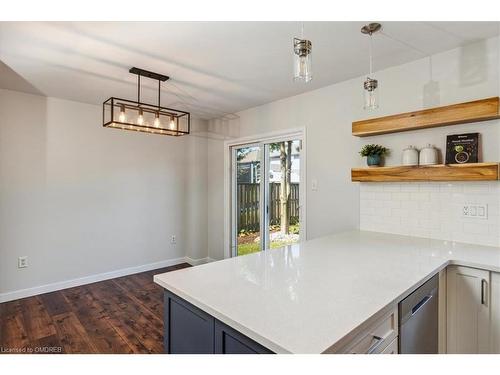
<point x="312" y="297"/>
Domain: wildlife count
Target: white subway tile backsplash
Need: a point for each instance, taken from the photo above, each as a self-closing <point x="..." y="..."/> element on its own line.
<point x="420" y="196"/>
<point x="400" y="196"/>
<point x="391" y="204"/>
<point x="476" y="228"/>
<point x="494" y="188"/>
<point x="409" y="187"/>
<point x="451" y="187"/>
<point x="383" y="196"/>
<point x="432" y="210"/>
<point x="384" y="212"/>
<point x="478" y="188"/>
<point x="428" y="187"/>
<point x="366" y="210"/>
<point x="400" y="212"/>
<point x="439" y="196"/>
<point x="392" y="188"/>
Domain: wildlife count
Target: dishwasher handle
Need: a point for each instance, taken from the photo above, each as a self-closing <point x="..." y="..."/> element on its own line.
<point x="421" y="304"/>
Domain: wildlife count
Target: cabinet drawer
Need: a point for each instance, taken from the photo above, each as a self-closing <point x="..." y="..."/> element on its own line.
<point x="392" y="348"/>
<point x="376" y="337"/>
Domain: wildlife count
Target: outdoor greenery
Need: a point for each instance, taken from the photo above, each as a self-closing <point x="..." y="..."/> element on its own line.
<point x="285" y="149"/>
<point x="252" y="247"/>
<point x="369" y="150"/>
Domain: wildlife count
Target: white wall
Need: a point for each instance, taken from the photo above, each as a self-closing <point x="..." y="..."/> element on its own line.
<point x="215" y="199"/>
<point x="467" y="73"/>
<point x="195" y="228"/>
<point x="79" y="199"/>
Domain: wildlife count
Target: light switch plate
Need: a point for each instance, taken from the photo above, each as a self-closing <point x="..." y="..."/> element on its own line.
<point x="22" y="262"/>
<point x="314" y="184"/>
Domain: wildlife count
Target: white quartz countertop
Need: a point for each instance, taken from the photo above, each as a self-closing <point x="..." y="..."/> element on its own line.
<point x="306" y="297"/>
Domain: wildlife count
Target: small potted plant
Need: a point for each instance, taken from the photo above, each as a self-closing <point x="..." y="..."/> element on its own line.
<point x="373" y="154"/>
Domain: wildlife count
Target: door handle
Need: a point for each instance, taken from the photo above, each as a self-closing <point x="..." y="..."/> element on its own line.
<point x="421" y="304"/>
<point x="483" y="289"/>
<point x="375" y="345"/>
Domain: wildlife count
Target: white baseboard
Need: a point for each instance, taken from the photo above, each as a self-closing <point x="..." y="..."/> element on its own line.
<point x="22" y="293"/>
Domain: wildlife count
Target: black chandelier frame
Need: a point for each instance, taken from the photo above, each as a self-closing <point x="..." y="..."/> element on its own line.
<point x="175" y="118"/>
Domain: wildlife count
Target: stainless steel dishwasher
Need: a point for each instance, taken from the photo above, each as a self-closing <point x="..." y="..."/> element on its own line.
<point x="418" y="320"/>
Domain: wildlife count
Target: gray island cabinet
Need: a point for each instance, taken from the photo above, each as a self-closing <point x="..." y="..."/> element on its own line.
<point x="189" y="330"/>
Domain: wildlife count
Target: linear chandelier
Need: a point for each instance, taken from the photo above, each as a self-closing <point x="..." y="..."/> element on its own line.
<point x="149" y="118"/>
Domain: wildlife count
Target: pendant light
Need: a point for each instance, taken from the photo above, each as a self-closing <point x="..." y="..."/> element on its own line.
<point x="149" y="118"/>
<point x="370" y="85"/>
<point x="302" y="60"/>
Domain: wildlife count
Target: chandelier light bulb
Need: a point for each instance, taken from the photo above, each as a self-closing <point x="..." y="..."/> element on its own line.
<point x="122" y="117"/>
<point x="172" y="123"/>
<point x="140" y="119"/>
<point x="156" y="123"/>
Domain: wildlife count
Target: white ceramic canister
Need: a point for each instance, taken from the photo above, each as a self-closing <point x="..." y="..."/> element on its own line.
<point x="428" y="155"/>
<point x="410" y="156"/>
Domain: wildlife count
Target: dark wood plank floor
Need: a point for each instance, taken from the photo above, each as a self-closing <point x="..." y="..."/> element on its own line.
<point x="122" y="315"/>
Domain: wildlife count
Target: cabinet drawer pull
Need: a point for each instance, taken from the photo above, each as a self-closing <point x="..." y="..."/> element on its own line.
<point x="375" y="345"/>
<point x="483" y="289"/>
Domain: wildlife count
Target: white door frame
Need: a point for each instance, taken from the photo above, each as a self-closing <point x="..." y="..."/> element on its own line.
<point x="296" y="133"/>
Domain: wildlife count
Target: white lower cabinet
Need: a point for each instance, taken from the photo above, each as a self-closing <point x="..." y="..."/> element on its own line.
<point x="377" y="336"/>
<point x="468" y="310"/>
<point x="392" y="348"/>
<point x="495" y="313"/>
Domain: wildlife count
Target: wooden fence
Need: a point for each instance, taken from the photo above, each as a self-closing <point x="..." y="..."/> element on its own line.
<point x="248" y="205"/>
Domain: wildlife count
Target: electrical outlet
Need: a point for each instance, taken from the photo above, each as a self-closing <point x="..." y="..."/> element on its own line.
<point x="314" y="184"/>
<point x="475" y="211"/>
<point x="173" y="240"/>
<point x="22" y="262"/>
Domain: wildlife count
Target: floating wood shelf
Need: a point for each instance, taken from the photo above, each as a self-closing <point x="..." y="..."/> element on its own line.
<point x="479" y="110"/>
<point x="440" y="172"/>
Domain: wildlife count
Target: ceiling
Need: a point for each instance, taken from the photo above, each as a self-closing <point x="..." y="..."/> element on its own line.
<point x="216" y="68"/>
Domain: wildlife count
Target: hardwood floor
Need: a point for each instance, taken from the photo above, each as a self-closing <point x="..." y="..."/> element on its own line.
<point x="122" y="315"/>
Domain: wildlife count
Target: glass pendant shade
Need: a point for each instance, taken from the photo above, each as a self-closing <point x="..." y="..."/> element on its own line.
<point x="371" y="93"/>
<point x="302" y="60"/>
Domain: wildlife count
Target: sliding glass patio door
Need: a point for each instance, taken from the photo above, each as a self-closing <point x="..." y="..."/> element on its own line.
<point x="265" y="195"/>
<point x="247" y="190"/>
